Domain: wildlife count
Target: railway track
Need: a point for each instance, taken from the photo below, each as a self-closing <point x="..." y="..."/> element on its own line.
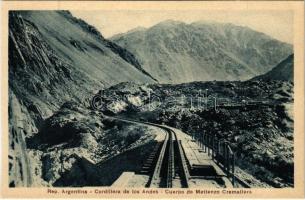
<point x="171" y="167"/>
<point x="167" y="165"/>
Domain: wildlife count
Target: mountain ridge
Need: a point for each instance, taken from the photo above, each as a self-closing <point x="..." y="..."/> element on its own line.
<point x="200" y="51"/>
<point x="282" y="71"/>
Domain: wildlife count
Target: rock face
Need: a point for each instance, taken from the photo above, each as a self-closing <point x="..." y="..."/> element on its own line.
<point x="283" y="71"/>
<point x="54" y="58"/>
<point x="175" y="52"/>
<point x="64" y="59"/>
<point x="256" y="117"/>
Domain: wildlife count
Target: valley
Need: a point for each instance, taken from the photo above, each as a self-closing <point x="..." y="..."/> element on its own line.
<point x="140" y="109"/>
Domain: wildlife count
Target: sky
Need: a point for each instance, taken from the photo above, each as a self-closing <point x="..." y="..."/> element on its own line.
<point x="277" y="24"/>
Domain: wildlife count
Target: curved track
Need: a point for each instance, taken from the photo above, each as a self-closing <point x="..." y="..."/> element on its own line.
<point x="171" y="168"/>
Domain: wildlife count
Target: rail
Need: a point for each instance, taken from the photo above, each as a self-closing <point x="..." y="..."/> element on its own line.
<point x="185" y="171"/>
<point x="169" y="143"/>
<point x="171" y="163"/>
<point x="157" y="171"/>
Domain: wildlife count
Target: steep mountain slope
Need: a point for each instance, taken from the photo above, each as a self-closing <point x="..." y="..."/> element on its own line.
<point x="54" y="58"/>
<point x="176" y="52"/>
<point x="283" y="71"/>
<point x="64" y="58"/>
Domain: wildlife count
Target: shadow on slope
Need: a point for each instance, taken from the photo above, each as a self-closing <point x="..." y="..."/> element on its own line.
<point x="85" y="173"/>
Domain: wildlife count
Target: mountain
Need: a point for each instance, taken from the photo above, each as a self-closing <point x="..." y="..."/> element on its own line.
<point x="54" y="58"/>
<point x="58" y="62"/>
<point x="282" y="71"/>
<point x="175" y="52"/>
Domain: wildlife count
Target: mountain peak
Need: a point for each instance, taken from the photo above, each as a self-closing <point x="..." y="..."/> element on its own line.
<point x="169" y="22"/>
<point x="214" y="23"/>
<point x="176" y="52"/>
<point x="138" y="28"/>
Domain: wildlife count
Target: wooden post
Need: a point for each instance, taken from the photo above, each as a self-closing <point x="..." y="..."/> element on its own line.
<point x="233" y="169"/>
<point x="199" y="139"/>
<point x="218" y="152"/>
<point x="209" y="145"/>
<point x="204" y="142"/>
<point x="225" y="156"/>
<point x="213" y="148"/>
<point x="216" y="149"/>
<point x="228" y="158"/>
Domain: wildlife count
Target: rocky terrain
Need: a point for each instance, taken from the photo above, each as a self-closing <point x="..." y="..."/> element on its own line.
<point x="176" y="52"/>
<point x="50" y="64"/>
<point x="58" y="138"/>
<point x="76" y="138"/>
<point x="256" y="117"/>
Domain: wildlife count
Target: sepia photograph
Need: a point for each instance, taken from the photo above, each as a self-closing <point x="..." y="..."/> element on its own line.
<point x="156" y="98"/>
